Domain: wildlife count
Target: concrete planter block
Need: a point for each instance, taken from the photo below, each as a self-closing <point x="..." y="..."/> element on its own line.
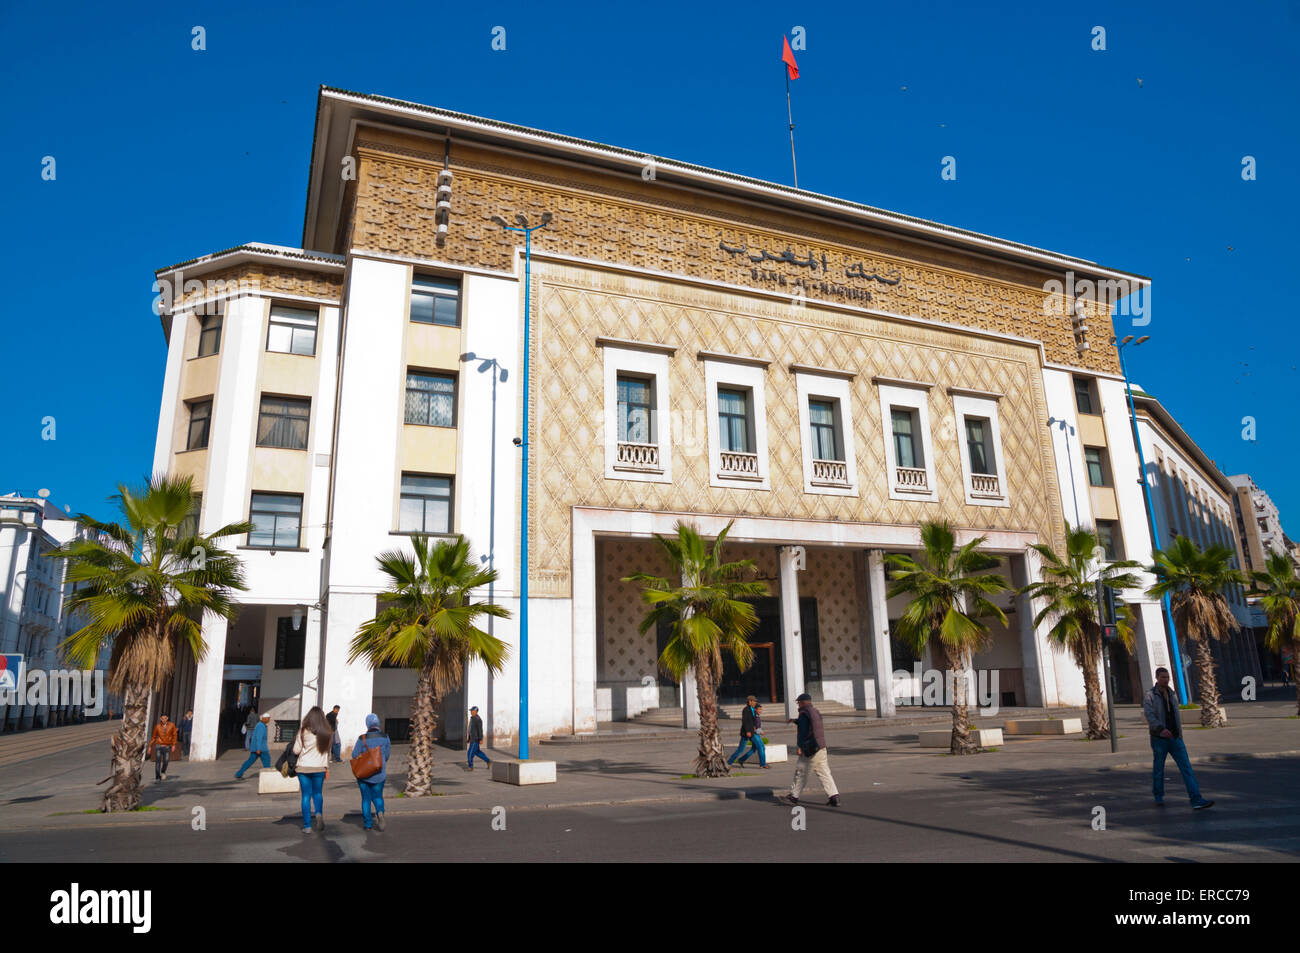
<point x="983" y="738"/>
<point x="272" y="782"/>
<point x="777" y="754"/>
<point x="523" y="772"/>
<point x="1045" y="726"/>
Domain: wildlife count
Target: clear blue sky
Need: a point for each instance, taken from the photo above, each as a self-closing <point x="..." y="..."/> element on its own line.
<point x="164" y="153"/>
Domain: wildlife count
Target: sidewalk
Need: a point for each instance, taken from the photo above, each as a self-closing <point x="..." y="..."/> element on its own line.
<point x="53" y="792"/>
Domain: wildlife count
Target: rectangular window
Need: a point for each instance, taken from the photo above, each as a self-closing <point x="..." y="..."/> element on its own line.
<point x="276" y="519"/>
<point x="907" y="449"/>
<point x="821" y="420"/>
<point x="435" y="301"/>
<point x="430" y="399"/>
<point x="977" y="443"/>
<point x="290" y="646"/>
<point x="1095" y="457"/>
<point x="292" y="331"/>
<point x="1083" y="396"/>
<point x="635" y="410"/>
<point x="200" y="422"/>
<point x="210" y="336"/>
<point x="733" y="420"/>
<point x="282" y="422"/>
<point x="425" y="504"/>
<point x="190" y="525"/>
<point x="1108" y="537"/>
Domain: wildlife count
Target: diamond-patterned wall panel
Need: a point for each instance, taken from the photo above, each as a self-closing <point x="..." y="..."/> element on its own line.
<point x="628" y="656"/>
<point x="573" y="306"/>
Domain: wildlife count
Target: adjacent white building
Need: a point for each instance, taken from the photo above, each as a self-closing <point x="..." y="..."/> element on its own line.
<point x="33" y="621"/>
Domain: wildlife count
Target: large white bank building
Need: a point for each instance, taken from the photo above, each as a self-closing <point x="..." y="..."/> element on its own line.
<point x="703" y="346"/>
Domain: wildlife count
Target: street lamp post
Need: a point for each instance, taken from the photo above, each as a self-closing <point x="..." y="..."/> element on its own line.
<point x="523" y="226"/>
<point x="1151" y="512"/>
<point x="1068" y="430"/>
<point x="498" y="373"/>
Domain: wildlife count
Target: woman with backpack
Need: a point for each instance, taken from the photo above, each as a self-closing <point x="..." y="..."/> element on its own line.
<point x="312" y="746"/>
<point x="372" y="783"/>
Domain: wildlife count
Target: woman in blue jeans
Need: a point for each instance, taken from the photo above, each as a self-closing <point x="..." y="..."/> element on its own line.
<point x="372" y="788"/>
<point x="312" y="746"/>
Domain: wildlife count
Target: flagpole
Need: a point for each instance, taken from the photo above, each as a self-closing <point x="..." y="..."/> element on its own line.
<point x="790" y="115"/>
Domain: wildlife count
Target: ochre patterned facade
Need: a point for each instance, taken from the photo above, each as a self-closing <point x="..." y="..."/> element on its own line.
<point x="574" y="305"/>
<point x="627" y="221"/>
<point x="268" y="279"/>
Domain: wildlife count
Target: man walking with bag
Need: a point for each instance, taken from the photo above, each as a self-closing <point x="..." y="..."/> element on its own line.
<point x="1161" y="710"/>
<point x="812" y="753"/>
<point x="259" y="746"/>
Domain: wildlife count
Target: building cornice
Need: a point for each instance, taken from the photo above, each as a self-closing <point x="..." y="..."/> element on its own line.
<point x="452" y="125"/>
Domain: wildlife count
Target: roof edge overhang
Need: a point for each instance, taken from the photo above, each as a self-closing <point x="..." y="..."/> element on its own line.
<point x="338" y="110"/>
<point x="1172" y="428"/>
<point x="256" y="251"/>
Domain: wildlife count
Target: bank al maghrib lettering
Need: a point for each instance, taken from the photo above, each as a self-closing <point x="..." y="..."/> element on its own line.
<point x="788" y="257"/>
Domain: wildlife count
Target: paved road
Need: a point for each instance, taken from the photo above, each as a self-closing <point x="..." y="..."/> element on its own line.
<point x="1003" y="816"/>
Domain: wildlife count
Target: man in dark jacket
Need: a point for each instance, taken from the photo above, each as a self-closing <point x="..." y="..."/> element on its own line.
<point x="749" y="733"/>
<point x="812" y="753"/>
<point x="475" y="738"/>
<point x="335" y="743"/>
<point x="1160" y="706"/>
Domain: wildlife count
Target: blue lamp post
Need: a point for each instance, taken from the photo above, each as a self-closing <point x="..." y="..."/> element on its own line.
<point x="523" y="226"/>
<point x="1151" y="512"/>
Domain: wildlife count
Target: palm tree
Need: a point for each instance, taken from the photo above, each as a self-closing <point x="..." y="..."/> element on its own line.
<point x="1194" y="580"/>
<point x="426" y="620"/>
<point x="1068" y="590"/>
<point x="949" y="598"/>
<point x="1279" y="592"/>
<point x="145" y="586"/>
<point x="708" y="613"/>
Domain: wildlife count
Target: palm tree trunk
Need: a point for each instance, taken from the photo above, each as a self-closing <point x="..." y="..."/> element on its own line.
<point x="1212" y="714"/>
<point x="128" y="751"/>
<point x="1089" y="657"/>
<point x="710" y="762"/>
<point x="419" y="772"/>
<point x="961" y="739"/>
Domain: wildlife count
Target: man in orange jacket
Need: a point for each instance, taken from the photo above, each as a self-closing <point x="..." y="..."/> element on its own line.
<point x="162" y="745"/>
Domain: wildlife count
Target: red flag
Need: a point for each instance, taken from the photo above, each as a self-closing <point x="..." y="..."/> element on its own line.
<point x="787" y="57"/>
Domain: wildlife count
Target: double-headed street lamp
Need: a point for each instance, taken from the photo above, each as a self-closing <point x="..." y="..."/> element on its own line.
<point x="522" y="441"/>
<point x="1151" y="512"/>
<point x="1066" y="428"/>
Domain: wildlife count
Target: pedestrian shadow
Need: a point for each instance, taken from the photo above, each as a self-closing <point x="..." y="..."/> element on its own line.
<point x="1127" y="807"/>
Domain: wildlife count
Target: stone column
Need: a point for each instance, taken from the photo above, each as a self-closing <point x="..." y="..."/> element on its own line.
<point x="1025" y="568"/>
<point x="207" y="691"/>
<point x="690" y="700"/>
<point x="791" y="559"/>
<point x="311" y="656"/>
<point x="882" y="651"/>
<point x="350" y="685"/>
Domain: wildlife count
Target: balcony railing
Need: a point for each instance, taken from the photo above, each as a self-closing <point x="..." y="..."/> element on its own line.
<point x="642" y="457"/>
<point x="830" y="473"/>
<point x="985" y="485"/>
<point x="911" y="480"/>
<point x="738" y="466"/>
